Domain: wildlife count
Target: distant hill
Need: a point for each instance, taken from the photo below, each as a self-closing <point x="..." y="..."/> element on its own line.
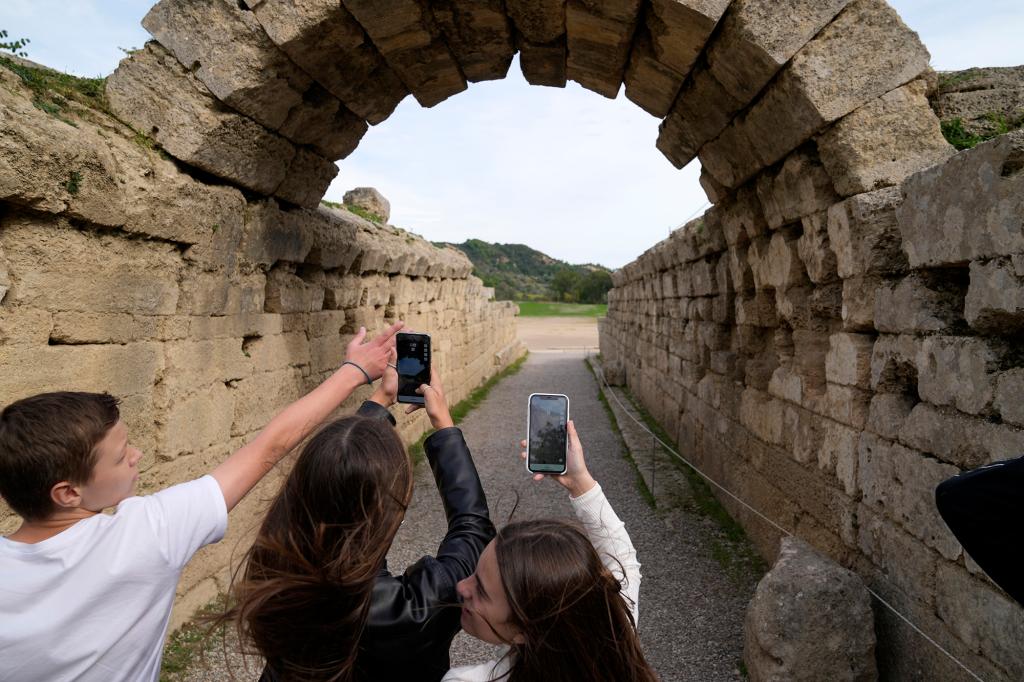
<point x="518" y="272"/>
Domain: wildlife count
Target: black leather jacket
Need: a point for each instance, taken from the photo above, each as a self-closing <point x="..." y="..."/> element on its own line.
<point x="411" y="622"/>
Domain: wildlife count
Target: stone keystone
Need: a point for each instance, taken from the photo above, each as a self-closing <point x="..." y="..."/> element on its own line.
<point x="539" y="21"/>
<point x="599" y="36"/>
<point x="407" y="35"/>
<point x="810" y="619"/>
<point x="327" y="42"/>
<point x="543" y="64"/>
<point x="478" y="34"/>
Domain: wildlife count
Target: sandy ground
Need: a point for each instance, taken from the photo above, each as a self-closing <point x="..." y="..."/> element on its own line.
<point x="558" y="333"/>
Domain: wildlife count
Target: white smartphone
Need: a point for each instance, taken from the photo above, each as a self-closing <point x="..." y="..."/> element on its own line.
<point x="547" y="428"/>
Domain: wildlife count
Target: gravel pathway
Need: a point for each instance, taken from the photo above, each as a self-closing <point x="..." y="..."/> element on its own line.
<point x="691" y="610"/>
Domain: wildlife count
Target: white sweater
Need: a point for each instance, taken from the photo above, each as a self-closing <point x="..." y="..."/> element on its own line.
<point x="608" y="535"/>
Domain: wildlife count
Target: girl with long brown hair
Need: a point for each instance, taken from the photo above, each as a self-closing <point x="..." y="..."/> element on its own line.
<point x="316" y="599"/>
<point x="561" y="598"/>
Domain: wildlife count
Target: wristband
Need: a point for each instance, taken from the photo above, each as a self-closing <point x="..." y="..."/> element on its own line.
<point x="349" y="362"/>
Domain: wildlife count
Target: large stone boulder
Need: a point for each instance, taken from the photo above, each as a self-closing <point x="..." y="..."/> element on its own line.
<point x="370" y="200"/>
<point x="810" y="619"/>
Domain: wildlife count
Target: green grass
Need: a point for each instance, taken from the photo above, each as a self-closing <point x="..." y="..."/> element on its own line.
<point x="465" y="406"/>
<point x="190" y="641"/>
<point x="361" y="212"/>
<point x="955" y="133"/>
<point x="548" y="309"/>
<point x="52" y="91"/>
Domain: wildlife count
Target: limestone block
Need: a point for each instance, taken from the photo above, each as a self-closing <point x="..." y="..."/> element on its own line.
<point x="159" y="97"/>
<point x="858" y="309"/>
<point x="800" y="188"/>
<point x="920" y="303"/>
<point x="1009" y="399"/>
<point x="865" y="235"/>
<point x="965" y="442"/>
<point x="995" y="298"/>
<point x="849" y="359"/>
<point x="197" y="421"/>
<point x="701" y="111"/>
<point x="327" y="353"/>
<point x="959" y="371"/>
<point x="254" y="77"/>
<point x="191" y="363"/>
<point x="810" y="619"/>
<point x="122" y="371"/>
<point x="871" y="50"/>
<point x="894" y="364"/>
<point x="757" y="37"/>
<point x="982" y="617"/>
<point x="838" y="454"/>
<point x="308" y="177"/>
<point x="259" y="397"/>
<point x="907" y="564"/>
<point x="288" y="293"/>
<point x="407" y="35"/>
<point x="969" y="208"/>
<point x="371" y="200"/>
<point x="757" y="310"/>
<point x="79" y="328"/>
<point x="270" y="236"/>
<point x="762" y="414"/>
<point x="883" y="142"/>
<point x="24" y="326"/>
<point x="901" y="484"/>
<point x="543" y="63"/>
<point x="540" y="21"/>
<point x="776" y="262"/>
<point x="739" y="269"/>
<point x="815" y="249"/>
<point x="742" y="218"/>
<point x="478" y="34"/>
<point x="326" y="41"/>
<point x="714" y="192"/>
<point x="650" y="84"/>
<point x="888" y="413"/>
<point x="324" y="124"/>
<point x="215" y="294"/>
<point x="55" y="267"/>
<point x="599" y="35"/>
<point x="278" y="351"/>
<point x="731" y="157"/>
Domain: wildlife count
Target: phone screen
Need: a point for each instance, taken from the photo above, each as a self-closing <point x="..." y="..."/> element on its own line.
<point x="413" y="366"/>
<point x="548" y="432"/>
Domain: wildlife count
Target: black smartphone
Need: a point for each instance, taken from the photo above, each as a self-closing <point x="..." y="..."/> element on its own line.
<point x="547" y="441"/>
<point x="413" y="366"/>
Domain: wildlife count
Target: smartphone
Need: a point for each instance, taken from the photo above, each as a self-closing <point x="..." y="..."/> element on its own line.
<point x="547" y="441"/>
<point x="413" y="366"/>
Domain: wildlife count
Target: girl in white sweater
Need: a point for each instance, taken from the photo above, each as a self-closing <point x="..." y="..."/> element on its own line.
<point x="564" y="600"/>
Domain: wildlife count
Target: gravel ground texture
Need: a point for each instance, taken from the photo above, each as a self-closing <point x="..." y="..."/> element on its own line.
<point x="691" y="607"/>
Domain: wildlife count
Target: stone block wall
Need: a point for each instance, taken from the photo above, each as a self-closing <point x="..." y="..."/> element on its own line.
<point x="830" y="356"/>
<point x="205" y="309"/>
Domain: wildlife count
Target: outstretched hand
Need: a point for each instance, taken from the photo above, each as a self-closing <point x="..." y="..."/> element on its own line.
<point x="435" y="402"/>
<point x="373" y="355"/>
<point x="576" y="479"/>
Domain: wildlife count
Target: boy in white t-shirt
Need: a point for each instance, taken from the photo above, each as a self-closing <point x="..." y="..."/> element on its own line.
<point x="86" y="595"/>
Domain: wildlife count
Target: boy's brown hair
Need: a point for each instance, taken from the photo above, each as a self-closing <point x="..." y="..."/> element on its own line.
<point x="49" y="438"/>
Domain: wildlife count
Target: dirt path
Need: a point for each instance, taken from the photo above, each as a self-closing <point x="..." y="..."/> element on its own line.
<point x="558" y="333"/>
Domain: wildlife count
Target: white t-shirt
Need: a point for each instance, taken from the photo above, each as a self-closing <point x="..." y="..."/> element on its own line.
<point x="607" y="533"/>
<point x="94" y="601"/>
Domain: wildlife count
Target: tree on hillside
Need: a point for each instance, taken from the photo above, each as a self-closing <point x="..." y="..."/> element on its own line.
<point x="564" y="283"/>
<point x="593" y="287"/>
<point x="14" y="46"/>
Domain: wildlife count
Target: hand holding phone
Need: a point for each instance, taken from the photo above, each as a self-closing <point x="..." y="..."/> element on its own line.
<point x="576" y="479"/>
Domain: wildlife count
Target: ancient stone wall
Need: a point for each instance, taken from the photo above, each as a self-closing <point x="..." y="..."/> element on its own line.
<point x="831" y="356"/>
<point x="206" y="310"/>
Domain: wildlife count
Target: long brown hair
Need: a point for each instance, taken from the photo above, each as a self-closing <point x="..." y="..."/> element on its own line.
<point x="305" y="594"/>
<point x="567" y="606"/>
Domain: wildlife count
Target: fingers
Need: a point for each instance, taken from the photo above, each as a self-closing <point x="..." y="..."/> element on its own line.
<point x="538" y="477"/>
<point x="522" y="444"/>
<point x="357" y="340"/>
<point x="573" y="437"/>
<point x="389" y="333"/>
<point x="413" y="408"/>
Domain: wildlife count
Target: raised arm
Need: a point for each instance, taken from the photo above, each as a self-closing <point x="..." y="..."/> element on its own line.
<point x="242" y="470"/>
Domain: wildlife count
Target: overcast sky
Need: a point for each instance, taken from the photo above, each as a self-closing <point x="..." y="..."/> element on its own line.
<point x="565" y="171"/>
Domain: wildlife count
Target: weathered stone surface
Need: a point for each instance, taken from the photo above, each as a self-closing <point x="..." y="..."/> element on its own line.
<point x="865" y="236"/>
<point x="981" y="98"/>
<point x="901" y="484"/>
<point x="894" y="364"/>
<point x="921" y="303"/>
<point x="969" y="208"/>
<point x="702" y="110"/>
<point x="540" y="21"/>
<point x="800" y="188"/>
<point x="478" y="34"/>
<point x="965" y="442"/>
<point x="958" y="371"/>
<point x="849" y="359"/>
<point x="650" y="84"/>
<point x="815" y="249"/>
<point x="324" y="125"/>
<point x="326" y="41"/>
<point x="598" y="36"/>
<point x="1009" y="398"/>
<point x="888" y="413"/>
<point x="308" y="177"/>
<point x="369" y="199"/>
<point x="407" y="35"/>
<point x="810" y="619"/>
<point x="995" y="297"/>
<point x="543" y="63"/>
<point x="775" y="262"/>
<point x="883" y="142"/>
<point x="867" y="43"/>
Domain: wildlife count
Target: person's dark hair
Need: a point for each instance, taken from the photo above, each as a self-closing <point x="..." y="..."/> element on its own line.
<point x="568" y="607"/>
<point x="304" y="597"/>
<point x="49" y="438"/>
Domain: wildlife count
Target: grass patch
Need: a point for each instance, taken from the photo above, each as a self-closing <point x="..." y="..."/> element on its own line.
<point x="53" y="91"/>
<point x="466" y="405"/>
<point x="641" y="484"/>
<point x="550" y="309"/>
<point x="190" y="641"/>
<point x="74" y="183"/>
<point x="958" y="136"/>
<point x="356" y="210"/>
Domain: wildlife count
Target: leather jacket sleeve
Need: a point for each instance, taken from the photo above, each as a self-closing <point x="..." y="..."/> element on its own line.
<point x="375" y="411"/>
